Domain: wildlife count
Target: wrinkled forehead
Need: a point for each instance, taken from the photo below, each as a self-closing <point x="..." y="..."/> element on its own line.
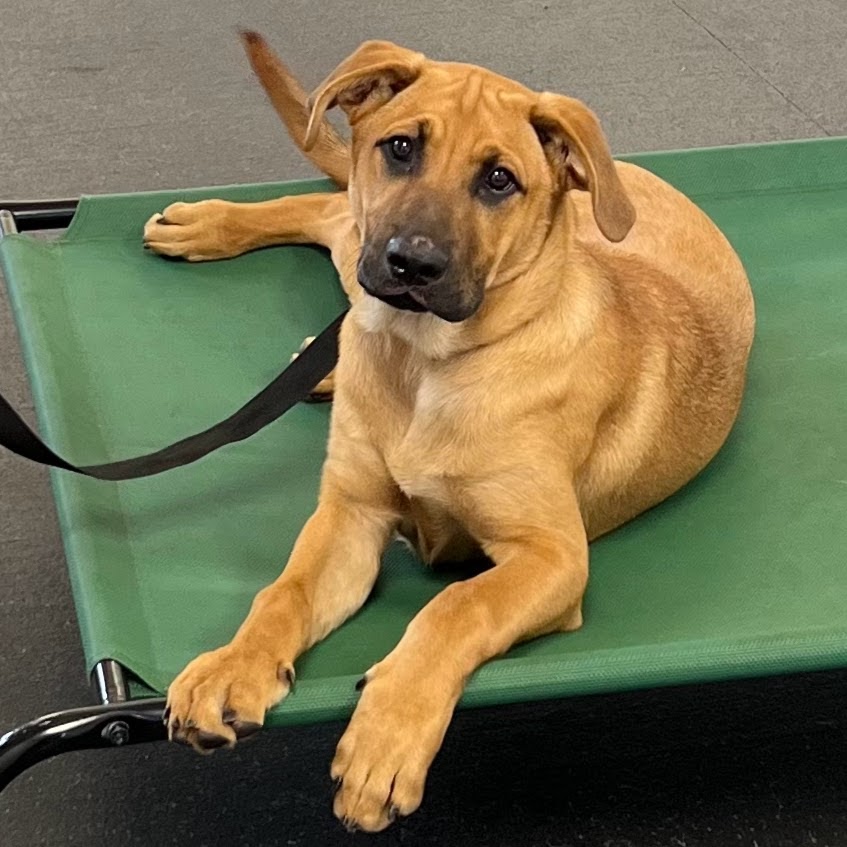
<point x="462" y="105"/>
<point x="469" y="87"/>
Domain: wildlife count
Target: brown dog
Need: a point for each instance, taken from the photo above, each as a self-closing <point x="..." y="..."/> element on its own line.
<point x="542" y="344"/>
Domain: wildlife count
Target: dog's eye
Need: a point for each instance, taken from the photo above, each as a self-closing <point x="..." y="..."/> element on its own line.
<point x="402" y="148"/>
<point x="402" y="154"/>
<point x="501" y="181"/>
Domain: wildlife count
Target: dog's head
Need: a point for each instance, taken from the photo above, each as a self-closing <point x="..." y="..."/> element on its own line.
<point x="458" y="174"/>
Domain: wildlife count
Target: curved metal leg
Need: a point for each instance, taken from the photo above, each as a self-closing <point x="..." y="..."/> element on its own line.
<point x="112" y="725"/>
<point x="116" y="722"/>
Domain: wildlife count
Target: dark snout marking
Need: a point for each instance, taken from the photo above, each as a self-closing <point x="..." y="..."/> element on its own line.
<point x="415" y="260"/>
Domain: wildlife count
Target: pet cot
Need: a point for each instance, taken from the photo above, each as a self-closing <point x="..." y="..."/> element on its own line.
<point x="742" y="573"/>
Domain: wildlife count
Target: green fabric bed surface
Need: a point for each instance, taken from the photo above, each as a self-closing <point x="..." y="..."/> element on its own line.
<point x="742" y="573"/>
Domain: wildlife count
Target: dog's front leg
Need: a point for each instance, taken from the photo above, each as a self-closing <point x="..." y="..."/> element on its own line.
<point x="535" y="587"/>
<point x="223" y="695"/>
<point x="220" y="229"/>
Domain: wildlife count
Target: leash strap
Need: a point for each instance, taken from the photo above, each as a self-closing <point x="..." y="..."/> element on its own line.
<point x="289" y="388"/>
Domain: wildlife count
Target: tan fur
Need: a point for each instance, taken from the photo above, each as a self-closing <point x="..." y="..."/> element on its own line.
<point x="602" y="371"/>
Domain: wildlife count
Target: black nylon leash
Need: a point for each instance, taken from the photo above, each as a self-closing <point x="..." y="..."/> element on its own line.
<point x="293" y="385"/>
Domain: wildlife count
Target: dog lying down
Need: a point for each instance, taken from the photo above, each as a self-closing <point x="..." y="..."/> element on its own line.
<point x="542" y="344"/>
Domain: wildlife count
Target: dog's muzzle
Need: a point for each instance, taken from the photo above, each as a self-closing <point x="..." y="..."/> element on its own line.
<point x="415" y="274"/>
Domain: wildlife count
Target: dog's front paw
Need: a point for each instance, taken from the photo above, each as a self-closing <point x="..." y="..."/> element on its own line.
<point x="383" y="758"/>
<point x="223" y="695"/>
<point x="197" y="232"/>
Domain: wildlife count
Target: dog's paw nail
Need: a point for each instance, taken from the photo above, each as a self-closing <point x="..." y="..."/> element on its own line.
<point x="245" y="729"/>
<point x="393" y="813"/>
<point x="166" y="715"/>
<point x="286" y="672"/>
<point x="211" y="740"/>
<point x="349" y="824"/>
<point x="361" y="683"/>
<point x="319" y="397"/>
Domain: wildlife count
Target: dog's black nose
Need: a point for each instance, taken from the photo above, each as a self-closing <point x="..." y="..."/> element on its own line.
<point x="415" y="260"/>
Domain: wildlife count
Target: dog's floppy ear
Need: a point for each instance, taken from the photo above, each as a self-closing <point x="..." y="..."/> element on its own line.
<point x="574" y="142"/>
<point x="366" y="80"/>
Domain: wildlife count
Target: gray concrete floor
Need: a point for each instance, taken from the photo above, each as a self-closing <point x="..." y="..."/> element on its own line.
<point x="114" y="95"/>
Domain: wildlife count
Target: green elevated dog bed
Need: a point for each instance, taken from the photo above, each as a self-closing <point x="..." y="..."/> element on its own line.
<point x="742" y="573"/>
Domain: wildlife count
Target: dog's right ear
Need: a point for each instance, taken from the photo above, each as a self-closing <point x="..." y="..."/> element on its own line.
<point x="366" y="80"/>
<point x="572" y="137"/>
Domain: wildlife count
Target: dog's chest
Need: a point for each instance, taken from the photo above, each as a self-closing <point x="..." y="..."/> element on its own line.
<point x="419" y="485"/>
<point x="418" y="476"/>
<point x="426" y="459"/>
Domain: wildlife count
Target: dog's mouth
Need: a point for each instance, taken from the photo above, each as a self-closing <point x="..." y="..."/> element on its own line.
<point x="407" y="298"/>
<point x="441" y="299"/>
<point x="420" y="300"/>
<point x="406" y="301"/>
